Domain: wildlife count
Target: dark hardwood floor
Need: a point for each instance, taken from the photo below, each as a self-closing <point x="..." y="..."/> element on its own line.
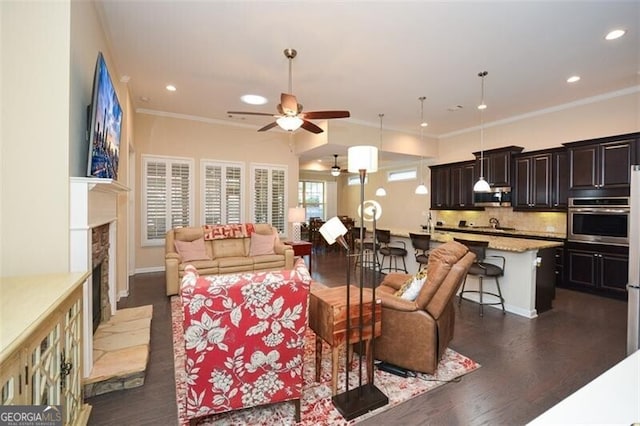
<point x="527" y="365"/>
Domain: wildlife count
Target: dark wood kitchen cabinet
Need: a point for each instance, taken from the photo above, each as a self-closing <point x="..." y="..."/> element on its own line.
<point x="497" y="165"/>
<point x="601" y="166"/>
<point x="540" y="180"/>
<point x="597" y="268"/>
<point x="463" y="177"/>
<point x="440" y="186"/>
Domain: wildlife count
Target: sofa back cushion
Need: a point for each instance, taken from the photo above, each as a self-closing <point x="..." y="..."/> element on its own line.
<point x="229" y="247"/>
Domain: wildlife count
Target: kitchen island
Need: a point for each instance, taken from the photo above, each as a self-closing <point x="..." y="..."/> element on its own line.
<point x="529" y="267"/>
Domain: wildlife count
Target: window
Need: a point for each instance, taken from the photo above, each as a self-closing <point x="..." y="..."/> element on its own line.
<point x="355" y="180"/>
<point x="311" y="196"/>
<point x="269" y="195"/>
<point x="399" y="175"/>
<point x="222" y="192"/>
<point x="168" y="196"/>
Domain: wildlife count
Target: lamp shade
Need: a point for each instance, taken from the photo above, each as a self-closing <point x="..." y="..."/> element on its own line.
<point x="297" y="214"/>
<point x="381" y="192"/>
<point x="362" y="157"/>
<point x="289" y="123"/>
<point x="332" y="230"/>
<point x="421" y="189"/>
<point x="481" y="185"/>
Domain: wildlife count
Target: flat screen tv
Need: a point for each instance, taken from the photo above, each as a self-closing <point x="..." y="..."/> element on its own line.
<point x="105" y="121"/>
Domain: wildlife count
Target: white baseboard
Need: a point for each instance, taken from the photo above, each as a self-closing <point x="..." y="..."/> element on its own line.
<point x="121" y="294"/>
<point x="150" y="269"/>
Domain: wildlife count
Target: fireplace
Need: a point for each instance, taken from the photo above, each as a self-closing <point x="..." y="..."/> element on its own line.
<point x="93" y="226"/>
<point x="101" y="305"/>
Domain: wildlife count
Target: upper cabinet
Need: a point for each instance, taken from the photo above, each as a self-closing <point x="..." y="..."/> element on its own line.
<point x="497" y="165"/>
<point x="601" y="167"/>
<point x="540" y="181"/>
<point x="452" y="186"/>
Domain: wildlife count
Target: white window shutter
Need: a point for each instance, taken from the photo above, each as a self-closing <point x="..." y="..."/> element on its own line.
<point x="222" y="192"/>
<point x="269" y="195"/>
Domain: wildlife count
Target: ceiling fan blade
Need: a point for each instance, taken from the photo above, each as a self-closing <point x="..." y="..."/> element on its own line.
<point x="250" y="113"/>
<point x="326" y="114"/>
<point x="289" y="104"/>
<point x="309" y="126"/>
<point x="267" y="127"/>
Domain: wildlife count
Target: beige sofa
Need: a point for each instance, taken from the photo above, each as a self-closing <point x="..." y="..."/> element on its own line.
<point x="224" y="255"/>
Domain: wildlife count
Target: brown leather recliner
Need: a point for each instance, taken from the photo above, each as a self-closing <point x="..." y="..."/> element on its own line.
<point x="416" y="333"/>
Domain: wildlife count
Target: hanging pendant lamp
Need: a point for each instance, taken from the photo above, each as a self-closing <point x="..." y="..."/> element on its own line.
<point x="380" y="192"/>
<point x="335" y="170"/>
<point x="482" y="185"/>
<point x="422" y="188"/>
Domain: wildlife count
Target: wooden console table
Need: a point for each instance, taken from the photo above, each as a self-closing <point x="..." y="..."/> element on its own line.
<point x="328" y="312"/>
<point x="41" y="343"/>
<point x="301" y="248"/>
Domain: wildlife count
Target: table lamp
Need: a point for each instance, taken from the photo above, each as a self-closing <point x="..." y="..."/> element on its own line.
<point x="297" y="215"/>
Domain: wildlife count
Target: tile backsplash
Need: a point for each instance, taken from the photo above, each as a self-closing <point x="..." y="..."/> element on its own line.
<point x="554" y="222"/>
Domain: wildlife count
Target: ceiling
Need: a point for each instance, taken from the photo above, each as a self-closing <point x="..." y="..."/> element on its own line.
<point x="371" y="57"/>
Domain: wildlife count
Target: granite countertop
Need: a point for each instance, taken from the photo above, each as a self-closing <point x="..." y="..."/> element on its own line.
<point x="510" y="232"/>
<point x="496" y="242"/>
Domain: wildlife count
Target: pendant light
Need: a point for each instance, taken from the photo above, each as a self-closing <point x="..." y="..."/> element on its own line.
<point x="482" y="185"/>
<point x="335" y="170"/>
<point x="422" y="189"/>
<point x="380" y="192"/>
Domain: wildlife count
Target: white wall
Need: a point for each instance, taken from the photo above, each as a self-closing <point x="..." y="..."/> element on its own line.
<point x="34" y="174"/>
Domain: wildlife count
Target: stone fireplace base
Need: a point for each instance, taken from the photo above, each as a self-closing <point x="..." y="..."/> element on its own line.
<point x="120" y="352"/>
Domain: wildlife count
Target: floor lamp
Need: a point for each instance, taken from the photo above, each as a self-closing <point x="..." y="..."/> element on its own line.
<point x="365" y="397"/>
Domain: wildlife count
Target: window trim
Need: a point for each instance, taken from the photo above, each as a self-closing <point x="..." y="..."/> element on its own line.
<point x="355" y="180"/>
<point x="224" y="164"/>
<point x="168" y="161"/>
<point x="323" y="203"/>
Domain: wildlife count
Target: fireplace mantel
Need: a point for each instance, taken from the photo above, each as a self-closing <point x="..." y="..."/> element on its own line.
<point x="93" y="202"/>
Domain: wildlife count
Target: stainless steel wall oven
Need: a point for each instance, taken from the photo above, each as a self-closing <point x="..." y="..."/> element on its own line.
<point x="599" y="220"/>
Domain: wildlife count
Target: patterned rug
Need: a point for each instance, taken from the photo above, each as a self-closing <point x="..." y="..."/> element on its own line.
<point x="317" y="408"/>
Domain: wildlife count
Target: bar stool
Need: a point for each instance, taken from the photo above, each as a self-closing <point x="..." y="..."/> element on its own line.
<point x="366" y="245"/>
<point x="421" y="244"/>
<point x="392" y="252"/>
<point x="482" y="269"/>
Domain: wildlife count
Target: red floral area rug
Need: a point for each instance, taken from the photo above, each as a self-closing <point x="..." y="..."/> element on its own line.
<point x="317" y="407"/>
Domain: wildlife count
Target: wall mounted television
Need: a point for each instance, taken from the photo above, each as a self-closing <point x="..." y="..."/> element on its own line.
<point x="104" y="125"/>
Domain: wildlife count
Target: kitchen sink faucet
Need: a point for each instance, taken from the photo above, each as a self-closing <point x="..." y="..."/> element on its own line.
<point x="494" y="222"/>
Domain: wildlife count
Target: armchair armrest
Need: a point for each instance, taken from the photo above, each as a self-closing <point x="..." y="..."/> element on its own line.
<point x="396" y="303"/>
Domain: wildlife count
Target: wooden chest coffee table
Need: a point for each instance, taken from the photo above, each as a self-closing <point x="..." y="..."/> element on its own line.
<point x="328" y="310"/>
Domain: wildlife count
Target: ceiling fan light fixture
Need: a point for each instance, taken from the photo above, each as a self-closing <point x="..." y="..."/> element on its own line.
<point x="335" y="170"/>
<point x="289" y="123"/>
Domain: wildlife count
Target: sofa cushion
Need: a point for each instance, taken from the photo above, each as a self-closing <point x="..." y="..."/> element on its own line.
<point x="261" y="244"/>
<point x="192" y="250"/>
<point x="229" y="247"/>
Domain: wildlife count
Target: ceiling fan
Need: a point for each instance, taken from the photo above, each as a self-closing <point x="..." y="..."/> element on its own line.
<point x="290" y="116"/>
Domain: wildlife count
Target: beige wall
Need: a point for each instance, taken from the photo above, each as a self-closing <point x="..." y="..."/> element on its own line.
<point x="34" y="174"/>
<point x="167" y="136"/>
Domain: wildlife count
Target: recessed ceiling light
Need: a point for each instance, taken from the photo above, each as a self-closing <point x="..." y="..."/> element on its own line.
<point x="253" y="99"/>
<point x="170" y="87"/>
<point x="612" y="35"/>
<point x="573" y="79"/>
<point x="482" y="106"/>
<point x="424" y="124"/>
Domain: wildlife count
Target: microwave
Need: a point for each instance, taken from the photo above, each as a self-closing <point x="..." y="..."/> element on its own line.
<point x="599" y="220"/>
<point x="499" y="196"/>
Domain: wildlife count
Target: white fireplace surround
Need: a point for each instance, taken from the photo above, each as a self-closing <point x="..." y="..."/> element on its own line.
<point x="93" y="202"/>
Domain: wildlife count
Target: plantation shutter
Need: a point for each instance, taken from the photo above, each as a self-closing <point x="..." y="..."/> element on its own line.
<point x="269" y="195"/>
<point x="222" y="195"/>
<point x="168" y="196"/>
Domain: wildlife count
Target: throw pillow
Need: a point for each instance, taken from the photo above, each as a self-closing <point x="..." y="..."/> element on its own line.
<point x="192" y="250"/>
<point x="261" y="244"/>
<point x="411" y="288"/>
